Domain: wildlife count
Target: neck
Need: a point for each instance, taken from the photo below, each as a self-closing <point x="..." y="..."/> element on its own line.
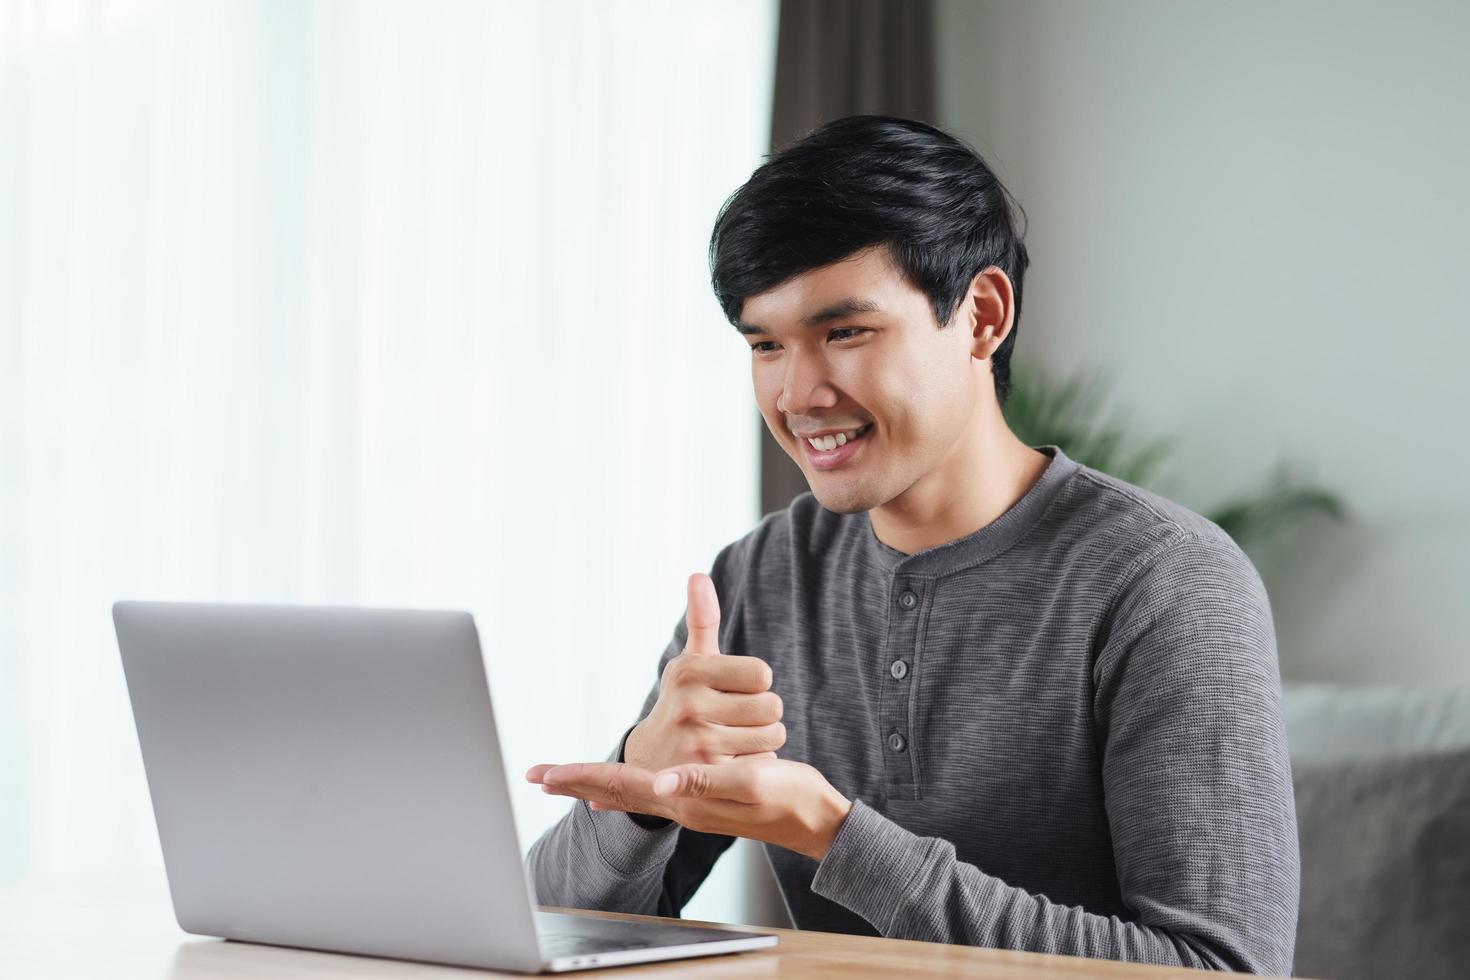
<point x="983" y="476"/>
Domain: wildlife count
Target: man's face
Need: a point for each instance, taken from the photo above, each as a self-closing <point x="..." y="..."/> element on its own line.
<point x="898" y="390"/>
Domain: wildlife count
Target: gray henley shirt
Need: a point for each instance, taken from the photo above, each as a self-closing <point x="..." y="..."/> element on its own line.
<point x="1061" y="733"/>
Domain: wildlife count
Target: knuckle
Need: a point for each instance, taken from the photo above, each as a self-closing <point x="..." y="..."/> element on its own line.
<point x="614" y="790"/>
<point x="679" y="671"/>
<point x="684" y="712"/>
<point x="703" y="749"/>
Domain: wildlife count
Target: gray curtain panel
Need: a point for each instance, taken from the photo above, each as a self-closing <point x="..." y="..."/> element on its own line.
<point x="837" y="58"/>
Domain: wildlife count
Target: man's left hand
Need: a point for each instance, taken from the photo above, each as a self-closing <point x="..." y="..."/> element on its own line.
<point x="789" y="804"/>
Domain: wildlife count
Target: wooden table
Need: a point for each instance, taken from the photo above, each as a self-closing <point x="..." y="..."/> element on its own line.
<point x="122" y="927"/>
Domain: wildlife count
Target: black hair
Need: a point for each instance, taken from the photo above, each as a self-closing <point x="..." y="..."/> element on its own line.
<point x="872" y="180"/>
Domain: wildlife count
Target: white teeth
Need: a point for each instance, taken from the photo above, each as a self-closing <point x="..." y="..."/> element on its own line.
<point x="825" y="444"/>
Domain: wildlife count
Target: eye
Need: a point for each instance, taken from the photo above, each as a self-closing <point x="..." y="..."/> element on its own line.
<point x="847" y="332"/>
<point x="763" y="346"/>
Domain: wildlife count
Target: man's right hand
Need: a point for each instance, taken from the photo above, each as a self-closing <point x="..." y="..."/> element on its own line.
<point x="711" y="708"/>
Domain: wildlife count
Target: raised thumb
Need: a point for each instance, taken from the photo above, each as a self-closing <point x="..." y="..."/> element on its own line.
<point x="702" y="616"/>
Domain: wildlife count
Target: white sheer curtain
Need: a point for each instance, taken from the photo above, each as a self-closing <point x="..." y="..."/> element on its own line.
<point x="376" y="303"/>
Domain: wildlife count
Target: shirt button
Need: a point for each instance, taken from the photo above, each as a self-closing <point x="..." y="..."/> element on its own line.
<point x="898" y="669"/>
<point x="907" y="599"/>
<point x="896" y="742"/>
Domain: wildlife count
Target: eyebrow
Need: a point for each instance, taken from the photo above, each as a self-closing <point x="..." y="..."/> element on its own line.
<point x="836" y="311"/>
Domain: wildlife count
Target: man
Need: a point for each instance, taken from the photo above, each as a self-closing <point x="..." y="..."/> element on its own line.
<point x="987" y="695"/>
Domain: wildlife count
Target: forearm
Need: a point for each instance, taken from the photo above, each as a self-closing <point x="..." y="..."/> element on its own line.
<point x="601" y="861"/>
<point x="911" y="887"/>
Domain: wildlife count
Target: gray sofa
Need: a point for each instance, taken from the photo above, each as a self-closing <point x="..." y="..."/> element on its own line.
<point x="1382" y="781"/>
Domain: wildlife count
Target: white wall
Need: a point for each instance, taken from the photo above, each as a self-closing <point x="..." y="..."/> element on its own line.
<point x="1256" y="215"/>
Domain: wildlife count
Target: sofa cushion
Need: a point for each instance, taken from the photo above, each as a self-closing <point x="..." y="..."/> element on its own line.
<point x="1385" y="858"/>
<point x="1328" y="721"/>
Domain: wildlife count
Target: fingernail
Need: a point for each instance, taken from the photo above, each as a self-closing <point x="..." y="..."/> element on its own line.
<point x="666" y="783"/>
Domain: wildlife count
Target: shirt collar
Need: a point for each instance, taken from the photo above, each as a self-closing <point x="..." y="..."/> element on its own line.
<point x="988" y="541"/>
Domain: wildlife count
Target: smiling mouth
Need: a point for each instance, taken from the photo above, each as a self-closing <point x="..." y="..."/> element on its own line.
<point x="829" y="451"/>
<point x="830" y="441"/>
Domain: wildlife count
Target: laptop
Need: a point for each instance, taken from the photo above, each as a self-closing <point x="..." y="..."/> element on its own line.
<point x="331" y="778"/>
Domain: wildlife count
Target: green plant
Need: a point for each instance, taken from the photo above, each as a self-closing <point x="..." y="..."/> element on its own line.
<point x="1073" y="413"/>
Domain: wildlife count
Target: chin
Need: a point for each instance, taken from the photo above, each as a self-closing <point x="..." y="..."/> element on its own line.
<point x="843" y="499"/>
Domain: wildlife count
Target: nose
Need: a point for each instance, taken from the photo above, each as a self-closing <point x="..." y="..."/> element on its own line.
<point x="805" y="386"/>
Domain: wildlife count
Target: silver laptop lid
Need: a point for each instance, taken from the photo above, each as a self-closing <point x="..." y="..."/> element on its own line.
<point x="315" y="786"/>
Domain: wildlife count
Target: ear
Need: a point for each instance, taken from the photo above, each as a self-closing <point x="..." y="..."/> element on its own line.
<point x="989" y="311"/>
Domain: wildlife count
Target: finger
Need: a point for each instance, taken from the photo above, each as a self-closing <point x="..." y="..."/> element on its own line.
<point x="582" y="773"/>
<point x="702" y="616"/>
<point x="755" y="755"/>
<point x="616" y="783"/>
<point x="737" y="675"/>
<point x="652" y="807"/>
<point x="750" y="740"/>
<point x="724" y="708"/>
<point x="733" y="783"/>
<point x="535" y="773"/>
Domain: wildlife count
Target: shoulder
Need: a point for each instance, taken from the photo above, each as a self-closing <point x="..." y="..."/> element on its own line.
<point x="1180" y="588"/>
<point x="1136" y="534"/>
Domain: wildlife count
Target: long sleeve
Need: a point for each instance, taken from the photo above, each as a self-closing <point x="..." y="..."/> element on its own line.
<point x="1197" y="786"/>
